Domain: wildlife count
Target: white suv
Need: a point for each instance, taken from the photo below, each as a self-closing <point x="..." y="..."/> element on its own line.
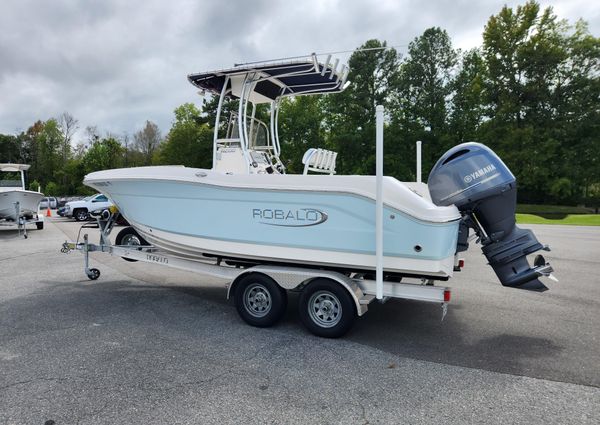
<point x="80" y="210"/>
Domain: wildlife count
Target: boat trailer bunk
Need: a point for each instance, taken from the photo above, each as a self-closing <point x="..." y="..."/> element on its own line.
<point x="330" y="300"/>
<point x="22" y="221"/>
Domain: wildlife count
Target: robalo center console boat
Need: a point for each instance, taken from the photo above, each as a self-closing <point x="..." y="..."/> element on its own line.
<point x="317" y="231"/>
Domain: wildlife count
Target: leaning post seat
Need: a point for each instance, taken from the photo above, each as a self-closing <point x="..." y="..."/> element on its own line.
<point x="319" y="161"/>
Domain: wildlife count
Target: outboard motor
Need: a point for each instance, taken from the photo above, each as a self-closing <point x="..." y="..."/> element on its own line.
<point x="472" y="177"/>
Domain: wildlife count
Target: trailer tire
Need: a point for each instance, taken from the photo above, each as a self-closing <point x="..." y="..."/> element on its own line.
<point x="326" y="308"/>
<point x="129" y="237"/>
<point x="39" y="225"/>
<point x="93" y="274"/>
<point x="259" y="300"/>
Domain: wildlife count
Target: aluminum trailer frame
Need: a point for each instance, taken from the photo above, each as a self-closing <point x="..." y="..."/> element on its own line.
<point x="362" y="291"/>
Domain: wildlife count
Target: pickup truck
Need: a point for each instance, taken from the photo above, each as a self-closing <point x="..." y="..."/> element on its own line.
<point x="80" y="210"/>
<point x="48" y="201"/>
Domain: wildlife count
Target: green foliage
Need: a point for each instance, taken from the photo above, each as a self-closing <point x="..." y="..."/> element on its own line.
<point x="560" y="189"/>
<point x="301" y="127"/>
<point x="350" y="115"/>
<point x="468" y="107"/>
<point x="9" y="148"/>
<point x="189" y="141"/>
<point x="425" y="80"/>
<point x="423" y="85"/>
<point x="592" y="196"/>
<point x="209" y="112"/>
<point x="48" y="144"/>
<point x="34" y="185"/>
<point x="51" y="189"/>
<point x="540" y="121"/>
<point x="104" y="154"/>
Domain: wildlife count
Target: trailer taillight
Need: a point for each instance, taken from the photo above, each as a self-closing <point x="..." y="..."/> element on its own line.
<point x="461" y="263"/>
<point x="447" y="296"/>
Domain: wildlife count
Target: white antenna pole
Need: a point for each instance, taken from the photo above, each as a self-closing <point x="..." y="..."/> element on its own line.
<point x="379" y="201"/>
<point x="419" y="161"/>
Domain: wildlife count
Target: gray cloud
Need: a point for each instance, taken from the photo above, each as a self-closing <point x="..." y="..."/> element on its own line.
<point x="115" y="64"/>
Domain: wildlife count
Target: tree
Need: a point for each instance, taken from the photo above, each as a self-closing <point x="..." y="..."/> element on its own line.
<point x="189" y="141"/>
<point x="147" y="141"/>
<point x="578" y="113"/>
<point x="9" y="148"/>
<point x="350" y="115"/>
<point x="92" y="134"/>
<point x="103" y="154"/>
<point x="68" y="125"/>
<point x="47" y="159"/>
<point x="467" y="104"/>
<point x="541" y="94"/>
<point x="421" y="100"/>
<point x="301" y="126"/>
<point x="209" y="112"/>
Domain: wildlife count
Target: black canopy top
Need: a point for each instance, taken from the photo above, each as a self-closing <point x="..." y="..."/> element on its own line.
<point x="275" y="79"/>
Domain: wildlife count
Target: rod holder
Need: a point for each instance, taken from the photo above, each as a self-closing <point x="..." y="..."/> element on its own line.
<point x="379" y="201"/>
<point x="419" y="161"/>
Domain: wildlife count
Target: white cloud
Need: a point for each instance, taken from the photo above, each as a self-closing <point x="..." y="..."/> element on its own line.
<point x="116" y="64"/>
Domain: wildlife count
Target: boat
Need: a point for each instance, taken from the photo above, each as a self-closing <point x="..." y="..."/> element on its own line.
<point x="246" y="210"/>
<point x="15" y="201"/>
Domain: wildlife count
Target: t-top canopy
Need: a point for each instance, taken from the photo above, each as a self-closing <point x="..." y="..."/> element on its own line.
<point x="14" y="167"/>
<point x="276" y="79"/>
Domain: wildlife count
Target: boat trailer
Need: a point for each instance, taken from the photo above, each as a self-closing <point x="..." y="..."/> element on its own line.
<point x="22" y="222"/>
<point x="330" y="300"/>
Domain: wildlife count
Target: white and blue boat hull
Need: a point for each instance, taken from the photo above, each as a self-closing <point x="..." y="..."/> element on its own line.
<point x="333" y="227"/>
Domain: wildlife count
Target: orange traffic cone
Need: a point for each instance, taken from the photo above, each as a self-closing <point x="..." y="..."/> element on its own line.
<point x="48" y="213"/>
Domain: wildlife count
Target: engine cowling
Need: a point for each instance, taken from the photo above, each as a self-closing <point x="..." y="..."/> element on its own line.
<point x="472" y="177"/>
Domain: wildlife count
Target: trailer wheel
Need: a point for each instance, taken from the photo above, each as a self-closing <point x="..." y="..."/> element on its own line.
<point x="326" y="308"/>
<point x="259" y="300"/>
<point x="39" y="225"/>
<point x="93" y="274"/>
<point x="129" y="237"/>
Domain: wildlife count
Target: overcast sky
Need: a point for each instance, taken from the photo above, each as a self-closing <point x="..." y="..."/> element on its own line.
<point x="115" y="64"/>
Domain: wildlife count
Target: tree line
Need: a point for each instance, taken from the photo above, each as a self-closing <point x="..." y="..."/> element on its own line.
<point x="531" y="92"/>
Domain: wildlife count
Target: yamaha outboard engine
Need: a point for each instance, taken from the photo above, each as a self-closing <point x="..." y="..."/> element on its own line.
<point x="472" y="177"/>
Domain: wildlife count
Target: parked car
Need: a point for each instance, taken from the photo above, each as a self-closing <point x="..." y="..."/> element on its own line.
<point x="80" y="210"/>
<point x="62" y="211"/>
<point x="48" y="200"/>
<point x="63" y="201"/>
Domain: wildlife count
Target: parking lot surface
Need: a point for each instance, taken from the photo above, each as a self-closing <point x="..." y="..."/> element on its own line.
<point x="149" y="344"/>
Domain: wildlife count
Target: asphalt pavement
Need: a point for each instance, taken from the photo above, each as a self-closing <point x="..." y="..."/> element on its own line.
<point x="149" y="344"/>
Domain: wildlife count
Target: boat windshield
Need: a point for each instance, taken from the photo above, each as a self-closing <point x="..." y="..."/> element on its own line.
<point x="10" y="179"/>
<point x="258" y="132"/>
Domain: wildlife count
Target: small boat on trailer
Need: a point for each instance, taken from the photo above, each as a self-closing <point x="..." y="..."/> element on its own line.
<point x="342" y="240"/>
<point x="18" y="206"/>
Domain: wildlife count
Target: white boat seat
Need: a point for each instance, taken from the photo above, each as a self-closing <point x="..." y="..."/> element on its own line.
<point x="319" y="161"/>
